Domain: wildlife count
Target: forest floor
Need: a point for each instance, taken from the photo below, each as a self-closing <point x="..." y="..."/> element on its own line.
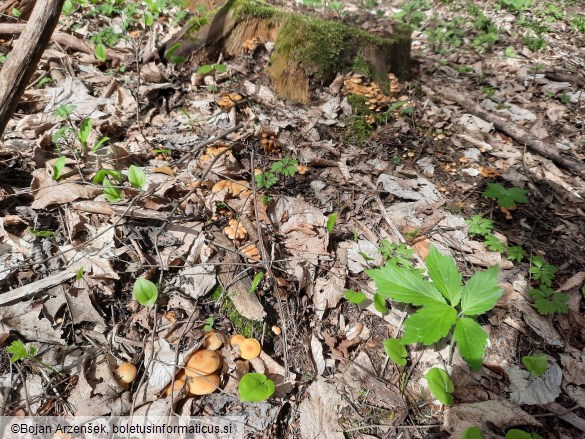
<point x="146" y="203"/>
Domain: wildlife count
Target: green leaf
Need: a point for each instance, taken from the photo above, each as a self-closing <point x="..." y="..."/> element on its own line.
<point x="331" y="222"/>
<point x="203" y="70"/>
<point x="80" y="273"/>
<point x="395" y="350"/>
<point x="286" y="166"/>
<point x="58" y="166"/>
<point x="515" y="433"/>
<point x="481" y="292"/>
<point x="506" y="198"/>
<point x="220" y="68"/>
<point x="443" y="271"/>
<point x="547" y="301"/>
<point x="103" y="173"/>
<point x="100" y="143"/>
<point x="429" y="324"/>
<point x="209" y="322"/>
<point x="145" y="292"/>
<point x="266" y="180"/>
<point x="536" y="364"/>
<point x="365" y="256"/>
<point x="354" y="296"/>
<point x="41" y="233"/>
<point x="472" y="433"/>
<point x="84" y="131"/>
<point x="516" y="253"/>
<point x="256" y="281"/>
<point x="542" y="271"/>
<point x="471" y="341"/>
<point x="255" y="387"/>
<point x="17" y="351"/>
<point x="495" y="244"/>
<point x="111" y="193"/>
<point x="405" y="286"/>
<point x="136" y="177"/>
<point x="65" y="110"/>
<point x="479" y="225"/>
<point x="15" y="12"/>
<point x="441" y="385"/>
<point x="380" y="303"/>
<point x="100" y="52"/>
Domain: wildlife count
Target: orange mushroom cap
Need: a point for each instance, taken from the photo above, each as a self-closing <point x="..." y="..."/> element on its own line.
<point x="237" y="339"/>
<point x="249" y="348"/>
<point x="202" y="362"/>
<point x="126" y="373"/>
<point x="204" y="384"/>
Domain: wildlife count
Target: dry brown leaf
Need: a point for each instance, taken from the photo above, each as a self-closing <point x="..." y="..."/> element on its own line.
<point x="63" y="193"/>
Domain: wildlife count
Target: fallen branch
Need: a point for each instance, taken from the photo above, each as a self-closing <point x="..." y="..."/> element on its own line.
<point x="27" y="52"/>
<point x="510" y="129"/>
<point x="62" y="38"/>
<point x="33" y="288"/>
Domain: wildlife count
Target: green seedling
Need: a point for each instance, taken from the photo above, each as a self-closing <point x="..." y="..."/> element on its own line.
<point x="440" y="385"/>
<point x="495" y="244"/>
<point x="396" y="350"/>
<point x="446" y="304"/>
<point x="145" y="292"/>
<point x="331" y="222"/>
<point x="516" y="253"/>
<point x="136" y="177"/>
<point x="472" y="433"/>
<point x="211" y="69"/>
<point x="399" y="255"/>
<point x="287" y="167"/>
<point x="209" y="322"/>
<point x="479" y="226"/>
<point x="256" y="281"/>
<point x="542" y="271"/>
<point x="100" y="52"/>
<point x="506" y="197"/>
<point x="58" y="167"/>
<point x="355" y="297"/>
<point x="510" y="52"/>
<point x="547" y="301"/>
<point x="380" y="303"/>
<point x="18" y="351"/>
<point x="255" y="387"/>
<point x="80" y="273"/>
<point x="515" y="5"/>
<point x="536" y="364"/>
<point x="41" y="233"/>
<point x="514" y="433"/>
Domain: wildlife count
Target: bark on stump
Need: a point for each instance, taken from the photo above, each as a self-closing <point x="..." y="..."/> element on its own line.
<point x="307" y="48"/>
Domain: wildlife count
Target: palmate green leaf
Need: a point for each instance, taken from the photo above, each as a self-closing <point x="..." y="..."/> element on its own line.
<point x="441" y="385"/>
<point x="405" y="286"/>
<point x="429" y="324"/>
<point x="395" y="350"/>
<point x="506" y="198"/>
<point x="481" y="292"/>
<point x="443" y="271"/>
<point x="536" y="364"/>
<point x="471" y="341"/>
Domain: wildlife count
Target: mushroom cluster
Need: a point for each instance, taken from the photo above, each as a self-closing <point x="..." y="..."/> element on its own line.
<point x="251" y="251"/>
<point x="234" y="188"/>
<point x="268" y="141"/>
<point x="377" y="100"/>
<point x="229" y="100"/>
<point x="235" y="230"/>
<point x="200" y="376"/>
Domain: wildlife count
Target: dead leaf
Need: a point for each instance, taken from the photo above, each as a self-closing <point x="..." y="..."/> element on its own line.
<point x="528" y="389"/>
<point x="63" y="193"/>
<point x="319" y="412"/>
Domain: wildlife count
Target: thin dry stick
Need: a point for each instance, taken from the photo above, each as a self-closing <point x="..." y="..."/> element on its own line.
<point x="267" y="266"/>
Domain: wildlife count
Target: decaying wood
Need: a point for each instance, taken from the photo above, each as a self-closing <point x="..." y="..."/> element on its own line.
<point x="62" y="38"/>
<point x="306" y="49"/>
<point x="33" y="288"/>
<point x="510" y="129"/>
<point x="27" y="52"/>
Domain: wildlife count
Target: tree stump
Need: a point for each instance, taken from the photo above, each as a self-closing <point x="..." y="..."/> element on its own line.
<point x="307" y="49"/>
